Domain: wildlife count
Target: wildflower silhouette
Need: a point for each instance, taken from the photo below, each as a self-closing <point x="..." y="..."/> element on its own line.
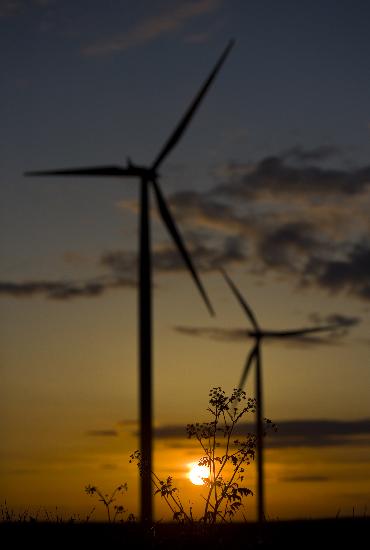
<point x="225" y="457"/>
<point x="108" y="501"/>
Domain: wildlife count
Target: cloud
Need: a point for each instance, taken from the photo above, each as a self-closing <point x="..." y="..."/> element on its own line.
<point x="120" y="262"/>
<point x="50" y="289"/>
<point x="207" y="210"/>
<point x="67" y="290"/>
<point x="102" y="433"/>
<point x="302" y="220"/>
<point x="121" y="269"/>
<point x="316" y="154"/>
<point x="274" y="198"/>
<point x="290" y="215"/>
<point x="11" y="8"/>
<point x="274" y="175"/>
<point x="57" y="290"/>
<point x="286" y="245"/>
<point x="23" y="471"/>
<point x="304" y="479"/>
<point x="345" y="321"/>
<point x="167" y="259"/>
<point x="297" y="433"/>
<point x="152" y="28"/>
<point x="128" y="423"/>
<point x="198" y="38"/>
<point x="321" y="433"/>
<point x="75" y="259"/>
<point x="109" y="466"/>
<point x="170" y="431"/>
<point x="351" y="274"/>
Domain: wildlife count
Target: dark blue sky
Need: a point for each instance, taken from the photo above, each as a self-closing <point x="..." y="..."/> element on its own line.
<point x="299" y="73"/>
<point x="85" y="83"/>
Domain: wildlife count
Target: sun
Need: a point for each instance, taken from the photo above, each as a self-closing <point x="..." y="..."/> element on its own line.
<point x="197" y="473"/>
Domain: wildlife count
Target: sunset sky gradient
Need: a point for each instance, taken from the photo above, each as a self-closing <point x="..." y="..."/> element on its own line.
<point x="271" y="181"/>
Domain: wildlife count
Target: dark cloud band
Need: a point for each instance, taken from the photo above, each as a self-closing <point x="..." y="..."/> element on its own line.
<point x="289" y="214"/>
<point x="297" y="433"/>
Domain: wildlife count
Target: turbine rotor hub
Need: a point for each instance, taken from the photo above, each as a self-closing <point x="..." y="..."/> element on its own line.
<point x="143" y="172"/>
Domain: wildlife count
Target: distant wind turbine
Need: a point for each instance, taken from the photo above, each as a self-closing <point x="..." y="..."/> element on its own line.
<point x="148" y="175"/>
<point x="258" y="334"/>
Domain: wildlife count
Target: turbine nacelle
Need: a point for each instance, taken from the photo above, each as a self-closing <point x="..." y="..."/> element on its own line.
<point x="142" y="172"/>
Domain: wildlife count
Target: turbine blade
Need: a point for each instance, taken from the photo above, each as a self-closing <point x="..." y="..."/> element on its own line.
<point x="298" y="332"/>
<point x="181" y="127"/>
<point x="247" y="367"/>
<point x="88" y="171"/>
<point x="172" y="229"/>
<point x="241" y="300"/>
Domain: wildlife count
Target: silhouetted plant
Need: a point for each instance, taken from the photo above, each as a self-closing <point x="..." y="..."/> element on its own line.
<point x="225" y="457"/>
<point x="113" y="510"/>
<point x="41" y="515"/>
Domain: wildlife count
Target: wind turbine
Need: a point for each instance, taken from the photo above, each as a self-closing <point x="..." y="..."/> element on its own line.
<point x="258" y="334"/>
<point x="148" y="176"/>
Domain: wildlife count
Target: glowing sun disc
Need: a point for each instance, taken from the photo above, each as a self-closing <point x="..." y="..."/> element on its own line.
<point x="197" y="473"/>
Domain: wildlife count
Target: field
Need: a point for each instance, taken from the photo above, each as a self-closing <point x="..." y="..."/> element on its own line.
<point x="337" y="533"/>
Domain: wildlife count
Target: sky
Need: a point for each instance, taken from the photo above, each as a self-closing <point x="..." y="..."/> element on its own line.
<point x="270" y="182"/>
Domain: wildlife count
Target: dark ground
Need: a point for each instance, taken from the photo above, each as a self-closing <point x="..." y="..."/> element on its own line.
<point x="351" y="533"/>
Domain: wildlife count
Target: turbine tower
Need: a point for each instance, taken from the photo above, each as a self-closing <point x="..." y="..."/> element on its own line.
<point x="258" y="334"/>
<point x="148" y="176"/>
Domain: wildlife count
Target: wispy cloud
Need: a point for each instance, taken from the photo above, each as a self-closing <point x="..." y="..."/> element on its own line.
<point x="102" y="433"/>
<point x="304" y="479"/>
<point x="197" y="38"/>
<point x="316" y="154"/>
<point x="11" y="8"/>
<point x="64" y="290"/>
<point x="275" y="174"/>
<point x="166" y="258"/>
<point x="351" y="274"/>
<point x="121" y="270"/>
<point x="345" y="321"/>
<point x="50" y="289"/>
<point x="23" y="471"/>
<point x="109" y="466"/>
<point x="154" y="27"/>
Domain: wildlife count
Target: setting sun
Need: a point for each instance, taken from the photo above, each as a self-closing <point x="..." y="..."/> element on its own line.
<point x="197" y="473"/>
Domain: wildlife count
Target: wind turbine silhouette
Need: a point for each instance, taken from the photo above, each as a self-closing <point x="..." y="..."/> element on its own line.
<point x="258" y="334"/>
<point x="148" y="175"/>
